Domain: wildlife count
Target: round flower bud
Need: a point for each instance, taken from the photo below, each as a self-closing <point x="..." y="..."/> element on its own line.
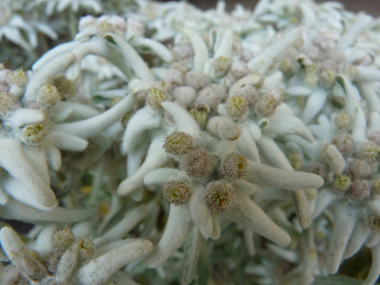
<point x="85" y="249"/>
<point x="7" y="105"/>
<point x="11" y="275"/>
<point x="316" y="168"/>
<point x="268" y="103"/>
<point x="34" y="133"/>
<point x="185" y="52"/>
<point x="375" y="137"/>
<point x="341" y="183"/>
<point x="239" y="69"/>
<point x="359" y="169"/>
<point x="374" y="222"/>
<point x="249" y="92"/>
<point x="134" y="26"/>
<point x="295" y="160"/>
<point x="197" y="80"/>
<point x="48" y="95"/>
<point x="176" y="192"/>
<point x="359" y="189"/>
<point x="375" y="188"/>
<point x="178" y="143"/>
<point x="200" y="114"/>
<point x="221" y="65"/>
<point x="343" y="142"/>
<point x="66" y="88"/>
<point x="52" y="260"/>
<point x="87" y="22"/>
<point x="342" y="121"/>
<point x="62" y="239"/>
<point x="328" y="64"/>
<point x="246" y="55"/>
<point x="155" y="97"/>
<point x="313" y="53"/>
<point x="350" y="71"/>
<point x="220" y="196"/>
<point x="18" y="78"/>
<point x="180" y="66"/>
<point x="327" y="78"/>
<point x="311" y="75"/>
<point x="286" y="67"/>
<point x="237" y="107"/>
<point x="369" y="150"/>
<point x="197" y="163"/>
<point x="185" y="94"/>
<point x="174" y="77"/>
<point x="235" y="165"/>
<point x="104" y="26"/>
<point x="210" y="96"/>
<point x="118" y="24"/>
<point x="335" y="55"/>
<point x="311" y="194"/>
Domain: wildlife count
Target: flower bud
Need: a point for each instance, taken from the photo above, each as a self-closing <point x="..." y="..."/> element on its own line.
<point x="316" y="168"/>
<point x="48" y="95"/>
<point x="220" y="196"/>
<point x="155" y="97"/>
<point x="178" y="143"/>
<point x="87" y="22"/>
<point x="135" y="27"/>
<point x="52" y="260"/>
<point x="62" y="239"/>
<point x="185" y="52"/>
<point x="313" y="53"/>
<point x="118" y="24"/>
<point x="104" y="26"/>
<point x="185" y="94"/>
<point x="7" y="105"/>
<point x="311" y="75"/>
<point x="375" y="137"/>
<point x="34" y="133"/>
<point x="11" y="275"/>
<point x="85" y="249"/>
<point x="369" y="150"/>
<point x="342" y="121"/>
<point x="176" y="192"/>
<point x="344" y="142"/>
<point x="210" y="96"/>
<point x="359" y="189"/>
<point x="327" y="78"/>
<point x="249" y="92"/>
<point x="235" y="165"/>
<point x="350" y="71"/>
<point x="295" y="160"/>
<point x="200" y="114"/>
<point x="311" y="194"/>
<point x="18" y="78"/>
<point x="239" y="69"/>
<point x="66" y="88"/>
<point x="341" y="183"/>
<point x="359" y="169"/>
<point x="175" y="77"/>
<point x="197" y="80"/>
<point x="374" y="222"/>
<point x="237" y="107"/>
<point x="221" y="65"/>
<point x="286" y="67"/>
<point x="268" y="103"/>
<point x="197" y="163"/>
<point x="180" y="66"/>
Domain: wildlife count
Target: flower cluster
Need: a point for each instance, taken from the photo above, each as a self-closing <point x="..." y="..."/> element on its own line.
<point x="210" y="134"/>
